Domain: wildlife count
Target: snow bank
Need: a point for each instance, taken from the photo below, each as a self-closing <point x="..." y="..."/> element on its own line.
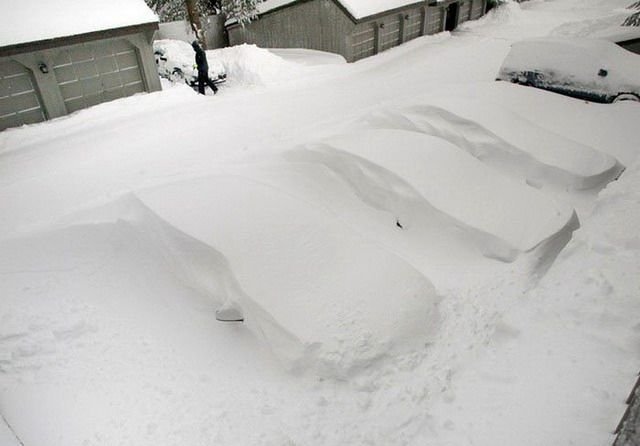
<point x="318" y="293"/>
<point x="607" y="27"/>
<point x="569" y="348"/>
<point x="509" y="12"/>
<point x="250" y="65"/>
<point x="308" y="57"/>
<point x="176" y="62"/>
<point x="34" y="20"/>
<point x="243" y="64"/>
<point x="108" y="312"/>
<point x="506" y="141"/>
<point x="456" y="184"/>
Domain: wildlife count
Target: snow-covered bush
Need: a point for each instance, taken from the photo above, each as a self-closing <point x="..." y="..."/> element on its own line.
<point x="633" y="19"/>
<point x="243" y="11"/>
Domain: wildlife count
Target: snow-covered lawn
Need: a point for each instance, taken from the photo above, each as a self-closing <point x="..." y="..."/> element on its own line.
<point x="422" y="255"/>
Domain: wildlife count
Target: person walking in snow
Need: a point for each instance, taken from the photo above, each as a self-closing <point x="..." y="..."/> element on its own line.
<point x="203" y="69"/>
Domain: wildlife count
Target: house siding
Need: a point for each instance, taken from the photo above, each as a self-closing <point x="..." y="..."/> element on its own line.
<point x="316" y="24"/>
<point x="323" y="25"/>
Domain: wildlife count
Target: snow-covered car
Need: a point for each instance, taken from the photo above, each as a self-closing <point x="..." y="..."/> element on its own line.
<point x="596" y="70"/>
<point x="175" y="60"/>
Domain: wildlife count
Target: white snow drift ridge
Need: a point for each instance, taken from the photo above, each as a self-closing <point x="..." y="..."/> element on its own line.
<point x="505" y="217"/>
<point x="506" y="141"/>
<point x="317" y="292"/>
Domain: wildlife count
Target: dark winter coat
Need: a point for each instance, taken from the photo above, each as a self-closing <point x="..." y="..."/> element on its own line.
<point x="201" y="59"/>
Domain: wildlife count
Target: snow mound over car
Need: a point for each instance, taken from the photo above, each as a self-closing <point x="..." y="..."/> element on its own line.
<point x="321" y="295"/>
<point x="509" y="216"/>
<point x="175" y="61"/>
<point x="506" y="141"/>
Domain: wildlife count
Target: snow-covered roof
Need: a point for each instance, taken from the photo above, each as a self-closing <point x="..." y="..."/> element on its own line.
<point x="34" y="20"/>
<point x="357" y="8"/>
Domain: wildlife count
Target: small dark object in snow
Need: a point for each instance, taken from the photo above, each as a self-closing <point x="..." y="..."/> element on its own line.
<point x="603" y="72"/>
<point x="399" y="225"/>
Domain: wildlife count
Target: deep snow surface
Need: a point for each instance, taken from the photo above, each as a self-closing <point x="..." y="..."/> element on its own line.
<point x="401" y="236"/>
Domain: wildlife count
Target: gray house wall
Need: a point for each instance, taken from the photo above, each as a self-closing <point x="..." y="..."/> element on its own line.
<point x="213" y="27"/>
<point x="325" y="26"/>
<point x="315" y="24"/>
<point x="48" y="79"/>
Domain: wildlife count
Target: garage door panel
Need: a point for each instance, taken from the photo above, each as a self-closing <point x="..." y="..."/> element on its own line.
<point x="131" y="75"/>
<point x="6" y="106"/>
<point x="86" y="70"/>
<point x="10" y="121"/>
<point x="93" y="99"/>
<point x="91" y="86"/>
<point x="19" y="100"/>
<point x="434" y="20"/>
<point x="127" y="60"/>
<point x="75" y="104"/>
<point x="65" y="74"/>
<point x="32" y="117"/>
<point x="133" y="89"/>
<point x="71" y="90"/>
<point x="4" y="89"/>
<point x="97" y="68"/>
<point x="116" y="93"/>
<point x="111" y="80"/>
<point x="103" y="49"/>
<point x="19" y="84"/>
<point x="120" y="46"/>
<point x="10" y="68"/>
<point x="106" y="65"/>
<point x="80" y="53"/>
<point x="26" y="101"/>
<point x="61" y="58"/>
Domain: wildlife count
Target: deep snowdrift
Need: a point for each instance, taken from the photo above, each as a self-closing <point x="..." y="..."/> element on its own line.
<point x="242" y="64"/>
<point x="108" y="332"/>
<point x="502" y="139"/>
<point x="320" y="294"/>
<point x="508" y="217"/>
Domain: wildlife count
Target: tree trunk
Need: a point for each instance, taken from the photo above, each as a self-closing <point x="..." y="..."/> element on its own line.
<point x="194" y="19"/>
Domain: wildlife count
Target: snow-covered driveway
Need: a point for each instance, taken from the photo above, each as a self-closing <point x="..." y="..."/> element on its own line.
<point x="390" y="250"/>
